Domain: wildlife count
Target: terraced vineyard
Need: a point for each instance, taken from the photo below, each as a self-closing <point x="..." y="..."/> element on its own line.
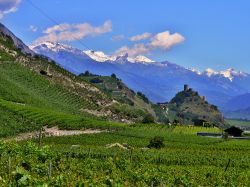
<point x="86" y="160"/>
<point x="28" y="101"/>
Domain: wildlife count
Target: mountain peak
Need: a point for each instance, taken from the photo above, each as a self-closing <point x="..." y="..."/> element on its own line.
<point x="229" y="73"/>
<point x="195" y="71"/>
<point x="142" y="59"/>
<point x="122" y="58"/>
<point x="54" y="46"/>
<point x="99" y="56"/>
<point x="210" y="72"/>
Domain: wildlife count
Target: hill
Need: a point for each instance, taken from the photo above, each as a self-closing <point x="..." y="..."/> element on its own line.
<point x="116" y="89"/>
<point x="188" y="107"/>
<point x="34" y="92"/>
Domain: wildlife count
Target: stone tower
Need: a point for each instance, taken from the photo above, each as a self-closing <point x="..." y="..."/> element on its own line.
<point x="186" y="87"/>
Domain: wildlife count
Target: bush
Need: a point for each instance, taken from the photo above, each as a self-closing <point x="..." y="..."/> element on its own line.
<point x="148" y="119"/>
<point x="157" y="142"/>
<point x="42" y="72"/>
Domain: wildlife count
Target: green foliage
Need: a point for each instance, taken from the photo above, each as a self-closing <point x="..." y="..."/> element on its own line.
<point x="187" y="160"/>
<point x="86" y="74"/>
<point x="157" y="142"/>
<point x="148" y="119"/>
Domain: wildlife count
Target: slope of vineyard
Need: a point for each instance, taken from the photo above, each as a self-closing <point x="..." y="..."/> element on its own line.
<point x="35" y="92"/>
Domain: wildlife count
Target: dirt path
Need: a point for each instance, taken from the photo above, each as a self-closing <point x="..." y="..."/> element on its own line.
<point x="54" y="131"/>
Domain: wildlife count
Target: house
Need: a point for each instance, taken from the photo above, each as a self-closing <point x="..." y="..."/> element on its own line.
<point x="234" y="131"/>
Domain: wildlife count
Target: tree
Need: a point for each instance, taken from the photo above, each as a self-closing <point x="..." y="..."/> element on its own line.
<point x="143" y="97"/>
<point x="86" y="73"/>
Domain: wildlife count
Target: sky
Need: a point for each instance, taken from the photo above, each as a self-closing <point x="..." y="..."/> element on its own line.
<point x="194" y="34"/>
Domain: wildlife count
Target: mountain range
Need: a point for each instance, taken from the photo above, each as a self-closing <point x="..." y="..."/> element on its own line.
<point x="158" y="80"/>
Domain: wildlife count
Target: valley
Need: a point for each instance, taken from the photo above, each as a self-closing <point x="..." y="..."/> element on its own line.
<point x="60" y="127"/>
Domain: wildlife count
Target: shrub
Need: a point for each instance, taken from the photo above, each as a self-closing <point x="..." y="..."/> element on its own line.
<point x="157" y="142"/>
<point x="148" y="119"/>
<point x="96" y="80"/>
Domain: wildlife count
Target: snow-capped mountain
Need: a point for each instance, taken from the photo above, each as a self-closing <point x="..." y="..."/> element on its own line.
<point x="230" y="73"/>
<point x="142" y="59"/>
<point x="195" y="71"/>
<point x="158" y="80"/>
<point x="54" y="47"/>
<point x="98" y="56"/>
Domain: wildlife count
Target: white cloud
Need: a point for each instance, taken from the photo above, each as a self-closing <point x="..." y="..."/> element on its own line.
<point x="33" y="28"/>
<point x="72" y="32"/>
<point x="143" y="36"/>
<point x="137" y="49"/>
<point x="118" y="37"/>
<point x="8" y="6"/>
<point x="165" y="40"/>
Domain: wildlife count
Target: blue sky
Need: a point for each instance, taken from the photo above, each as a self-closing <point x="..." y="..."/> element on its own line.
<point x="194" y="33"/>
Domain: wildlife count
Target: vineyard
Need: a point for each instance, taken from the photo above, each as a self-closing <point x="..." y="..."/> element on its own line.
<point x="85" y="160"/>
<point x="36" y="93"/>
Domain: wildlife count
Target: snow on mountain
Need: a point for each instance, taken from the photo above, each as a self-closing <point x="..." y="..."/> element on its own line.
<point x="54" y="47"/>
<point x="210" y="72"/>
<point x="98" y="56"/>
<point x="195" y="71"/>
<point x="142" y="59"/>
<point x="230" y="73"/>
